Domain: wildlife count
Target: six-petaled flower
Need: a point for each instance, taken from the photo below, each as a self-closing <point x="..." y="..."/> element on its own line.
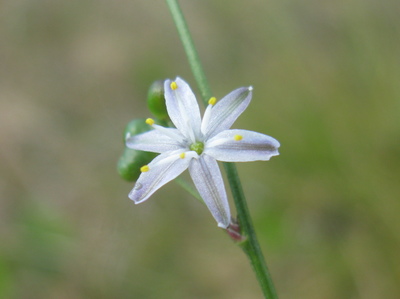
<point x="198" y="144"/>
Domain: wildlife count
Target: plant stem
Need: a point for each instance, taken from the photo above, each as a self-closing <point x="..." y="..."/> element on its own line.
<point x="250" y="244"/>
<point x="190" y="49"/>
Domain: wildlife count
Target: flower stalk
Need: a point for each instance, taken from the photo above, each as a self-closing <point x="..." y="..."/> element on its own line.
<point x="250" y="244"/>
<point x="190" y="50"/>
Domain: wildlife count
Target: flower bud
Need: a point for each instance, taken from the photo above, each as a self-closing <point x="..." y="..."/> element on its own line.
<point x="156" y="100"/>
<point x="131" y="160"/>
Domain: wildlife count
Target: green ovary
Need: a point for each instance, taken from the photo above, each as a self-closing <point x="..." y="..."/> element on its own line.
<point x="198" y="147"/>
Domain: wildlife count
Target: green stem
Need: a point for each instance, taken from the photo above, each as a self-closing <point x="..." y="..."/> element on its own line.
<point x="190" y="50"/>
<point x="250" y="244"/>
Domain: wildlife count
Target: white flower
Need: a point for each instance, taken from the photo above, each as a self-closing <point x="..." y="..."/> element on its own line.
<point x="198" y="144"/>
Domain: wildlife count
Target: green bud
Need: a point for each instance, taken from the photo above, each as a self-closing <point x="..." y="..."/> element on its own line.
<point x="131" y="160"/>
<point x="156" y="100"/>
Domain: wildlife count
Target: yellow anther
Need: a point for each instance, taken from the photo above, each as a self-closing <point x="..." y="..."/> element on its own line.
<point x="237" y="137"/>
<point x="145" y="168"/>
<point x="150" y="121"/>
<point x="174" y="85"/>
<point x="182" y="155"/>
<point x="212" y="101"/>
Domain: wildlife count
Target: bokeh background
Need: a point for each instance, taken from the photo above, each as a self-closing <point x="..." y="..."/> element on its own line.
<point x="326" y="80"/>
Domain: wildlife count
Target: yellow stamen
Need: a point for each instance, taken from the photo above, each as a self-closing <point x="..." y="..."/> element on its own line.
<point x="174" y="85"/>
<point x="212" y="101"/>
<point x="182" y="155"/>
<point x="150" y="121"/>
<point x="237" y="137"/>
<point x="145" y="168"/>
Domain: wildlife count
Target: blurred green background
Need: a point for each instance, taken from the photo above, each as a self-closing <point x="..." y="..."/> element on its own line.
<point x="326" y="80"/>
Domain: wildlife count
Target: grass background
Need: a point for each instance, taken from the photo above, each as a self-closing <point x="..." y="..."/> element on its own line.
<point x="326" y="84"/>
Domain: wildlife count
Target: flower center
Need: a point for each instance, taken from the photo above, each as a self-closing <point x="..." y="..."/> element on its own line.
<point x="198" y="147"/>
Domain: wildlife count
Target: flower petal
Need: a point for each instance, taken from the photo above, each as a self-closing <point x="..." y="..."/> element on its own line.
<point x="161" y="170"/>
<point x="183" y="108"/>
<point x="154" y="141"/>
<point x="227" y="110"/>
<point x="208" y="180"/>
<point x="241" y="146"/>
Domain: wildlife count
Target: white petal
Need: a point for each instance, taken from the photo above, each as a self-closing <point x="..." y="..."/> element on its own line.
<point x="208" y="180"/>
<point x="206" y="119"/>
<point x="183" y="108"/>
<point x="227" y="110"/>
<point x="162" y="170"/>
<point x="154" y="141"/>
<point x="252" y="146"/>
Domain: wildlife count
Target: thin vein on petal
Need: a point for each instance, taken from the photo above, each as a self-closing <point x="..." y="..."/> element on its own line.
<point x="208" y="180"/>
